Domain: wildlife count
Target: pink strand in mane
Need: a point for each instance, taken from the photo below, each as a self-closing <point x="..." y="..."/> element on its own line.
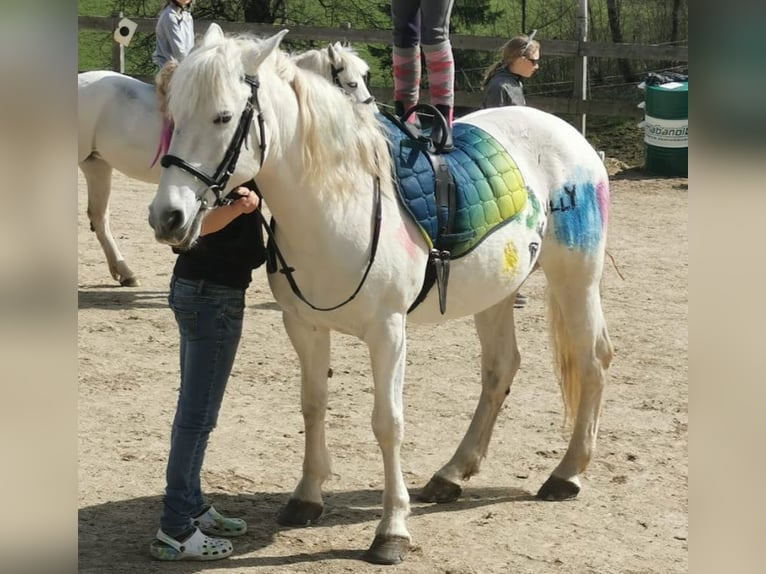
<point x="161" y="81"/>
<point x="165" y="135"/>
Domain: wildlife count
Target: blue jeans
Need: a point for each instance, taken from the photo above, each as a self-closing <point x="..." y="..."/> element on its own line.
<point x="209" y="318"/>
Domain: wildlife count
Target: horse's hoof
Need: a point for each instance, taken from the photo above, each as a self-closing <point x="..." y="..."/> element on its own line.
<point x="299" y="513"/>
<point x="386" y="550"/>
<point x="557" y="489"/>
<point x="130" y="282"/>
<point x="440" y="490"/>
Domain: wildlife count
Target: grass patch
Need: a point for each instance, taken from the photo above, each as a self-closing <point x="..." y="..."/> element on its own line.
<point x="95" y="7"/>
<point x="94" y="50"/>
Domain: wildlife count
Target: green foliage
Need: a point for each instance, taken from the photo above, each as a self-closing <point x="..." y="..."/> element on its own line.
<point x="641" y="22"/>
<point x="95" y="49"/>
<point x="95" y="7"/>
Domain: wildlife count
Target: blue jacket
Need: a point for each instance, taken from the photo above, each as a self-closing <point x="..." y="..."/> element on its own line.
<point x="175" y="35"/>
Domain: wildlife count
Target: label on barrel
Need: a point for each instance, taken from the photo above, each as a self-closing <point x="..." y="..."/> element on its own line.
<point x="666" y="133"/>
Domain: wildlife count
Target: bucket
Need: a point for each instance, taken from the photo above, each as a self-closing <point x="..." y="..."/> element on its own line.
<point x="666" y="129"/>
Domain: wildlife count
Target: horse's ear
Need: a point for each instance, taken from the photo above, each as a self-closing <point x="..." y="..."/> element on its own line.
<point x="262" y="50"/>
<point x="331" y="53"/>
<point x="214" y="33"/>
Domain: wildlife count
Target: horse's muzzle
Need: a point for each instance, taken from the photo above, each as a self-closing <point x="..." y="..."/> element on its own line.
<point x="172" y="228"/>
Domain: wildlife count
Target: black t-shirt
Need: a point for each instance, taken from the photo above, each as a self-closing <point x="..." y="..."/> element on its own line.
<point x="228" y="256"/>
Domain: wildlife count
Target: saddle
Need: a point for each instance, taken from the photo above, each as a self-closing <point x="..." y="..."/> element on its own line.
<point x="456" y="184"/>
<point x="432" y="144"/>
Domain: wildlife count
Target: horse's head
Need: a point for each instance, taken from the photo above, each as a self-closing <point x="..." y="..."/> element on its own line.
<point x="342" y="66"/>
<point x="213" y="100"/>
<point x="350" y="72"/>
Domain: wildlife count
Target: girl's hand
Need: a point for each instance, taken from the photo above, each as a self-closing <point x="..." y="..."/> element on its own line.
<point x="247" y="202"/>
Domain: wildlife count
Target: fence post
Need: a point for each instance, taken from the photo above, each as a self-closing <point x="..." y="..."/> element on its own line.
<point x="581" y="62"/>
<point x="118" y="50"/>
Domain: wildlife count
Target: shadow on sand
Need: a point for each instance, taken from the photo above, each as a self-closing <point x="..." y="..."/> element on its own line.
<point x="114" y="536"/>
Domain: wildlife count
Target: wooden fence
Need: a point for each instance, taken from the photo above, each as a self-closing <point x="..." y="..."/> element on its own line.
<point x="572" y="48"/>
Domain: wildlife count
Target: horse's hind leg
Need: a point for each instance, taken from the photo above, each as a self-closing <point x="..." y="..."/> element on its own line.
<point x="313" y="347"/>
<point x="583" y="353"/>
<point x="499" y="362"/>
<point x="98" y="176"/>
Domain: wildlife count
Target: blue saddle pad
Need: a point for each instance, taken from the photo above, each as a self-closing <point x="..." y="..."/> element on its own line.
<point x="489" y="188"/>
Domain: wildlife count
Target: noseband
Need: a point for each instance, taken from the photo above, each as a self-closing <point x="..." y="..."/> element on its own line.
<point x="217" y="183"/>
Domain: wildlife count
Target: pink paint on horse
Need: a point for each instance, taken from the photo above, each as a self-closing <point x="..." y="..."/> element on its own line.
<point x="602" y="196"/>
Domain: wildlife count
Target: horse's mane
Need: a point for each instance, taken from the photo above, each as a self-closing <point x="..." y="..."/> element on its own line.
<point x="205" y="76"/>
<point x="351" y="59"/>
<point x="162" y="84"/>
<point x="338" y="136"/>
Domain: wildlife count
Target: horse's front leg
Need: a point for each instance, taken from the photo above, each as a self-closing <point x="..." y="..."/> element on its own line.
<point x="313" y="347"/>
<point x="500" y="361"/>
<point x="98" y="177"/>
<point x="388" y="349"/>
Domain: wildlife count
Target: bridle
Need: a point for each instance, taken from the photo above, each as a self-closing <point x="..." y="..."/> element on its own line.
<point x="217" y="182"/>
<point x="335" y="73"/>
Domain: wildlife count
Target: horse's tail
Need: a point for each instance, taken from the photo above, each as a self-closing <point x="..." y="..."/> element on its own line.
<point x="563" y="355"/>
<point x="595" y="355"/>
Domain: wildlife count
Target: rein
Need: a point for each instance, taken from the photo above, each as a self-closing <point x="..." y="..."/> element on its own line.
<point x="217" y="183"/>
<point x="287" y="270"/>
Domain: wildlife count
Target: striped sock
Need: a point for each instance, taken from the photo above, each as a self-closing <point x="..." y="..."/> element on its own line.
<point x="440" y="65"/>
<point x="407" y="75"/>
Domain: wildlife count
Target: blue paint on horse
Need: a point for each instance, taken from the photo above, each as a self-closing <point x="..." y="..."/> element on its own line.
<point x="577" y="220"/>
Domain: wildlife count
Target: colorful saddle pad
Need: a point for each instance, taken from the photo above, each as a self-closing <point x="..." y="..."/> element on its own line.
<point x="489" y="188"/>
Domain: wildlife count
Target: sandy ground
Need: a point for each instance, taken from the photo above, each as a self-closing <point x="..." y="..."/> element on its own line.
<point x="631" y="516"/>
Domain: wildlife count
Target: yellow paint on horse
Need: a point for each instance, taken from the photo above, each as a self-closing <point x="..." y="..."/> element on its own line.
<point x="510" y="259"/>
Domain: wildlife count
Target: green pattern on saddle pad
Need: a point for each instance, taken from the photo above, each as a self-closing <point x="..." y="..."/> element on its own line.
<point x="490" y="189"/>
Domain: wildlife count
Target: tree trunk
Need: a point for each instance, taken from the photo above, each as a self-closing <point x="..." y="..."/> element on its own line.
<point x="262" y="11"/>
<point x="675" y="21"/>
<point x="613" y="14"/>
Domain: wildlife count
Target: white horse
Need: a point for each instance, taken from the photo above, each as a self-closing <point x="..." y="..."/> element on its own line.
<point x="359" y="260"/>
<point x="120" y="126"/>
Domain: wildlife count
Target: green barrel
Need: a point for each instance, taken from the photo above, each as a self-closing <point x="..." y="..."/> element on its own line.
<point x="666" y="129"/>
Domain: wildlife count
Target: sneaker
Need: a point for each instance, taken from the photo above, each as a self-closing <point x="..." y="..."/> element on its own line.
<point x="213" y="522"/>
<point x="195" y="547"/>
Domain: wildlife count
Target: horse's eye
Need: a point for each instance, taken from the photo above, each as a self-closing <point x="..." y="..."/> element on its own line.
<point x="352" y="84"/>
<point x="223" y="118"/>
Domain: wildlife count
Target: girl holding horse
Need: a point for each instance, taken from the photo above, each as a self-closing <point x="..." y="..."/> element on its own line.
<point x="207" y="296"/>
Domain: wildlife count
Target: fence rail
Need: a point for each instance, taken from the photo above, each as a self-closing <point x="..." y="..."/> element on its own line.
<point x="569" y="48"/>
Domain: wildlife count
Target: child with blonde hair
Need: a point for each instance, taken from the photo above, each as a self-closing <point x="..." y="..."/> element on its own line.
<point x="502" y="82"/>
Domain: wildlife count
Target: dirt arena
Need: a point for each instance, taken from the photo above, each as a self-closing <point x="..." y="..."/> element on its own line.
<point x="631" y="516"/>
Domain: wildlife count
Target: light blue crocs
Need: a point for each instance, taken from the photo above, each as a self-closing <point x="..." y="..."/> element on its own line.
<point x="196" y="547"/>
<point x="213" y="522"/>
